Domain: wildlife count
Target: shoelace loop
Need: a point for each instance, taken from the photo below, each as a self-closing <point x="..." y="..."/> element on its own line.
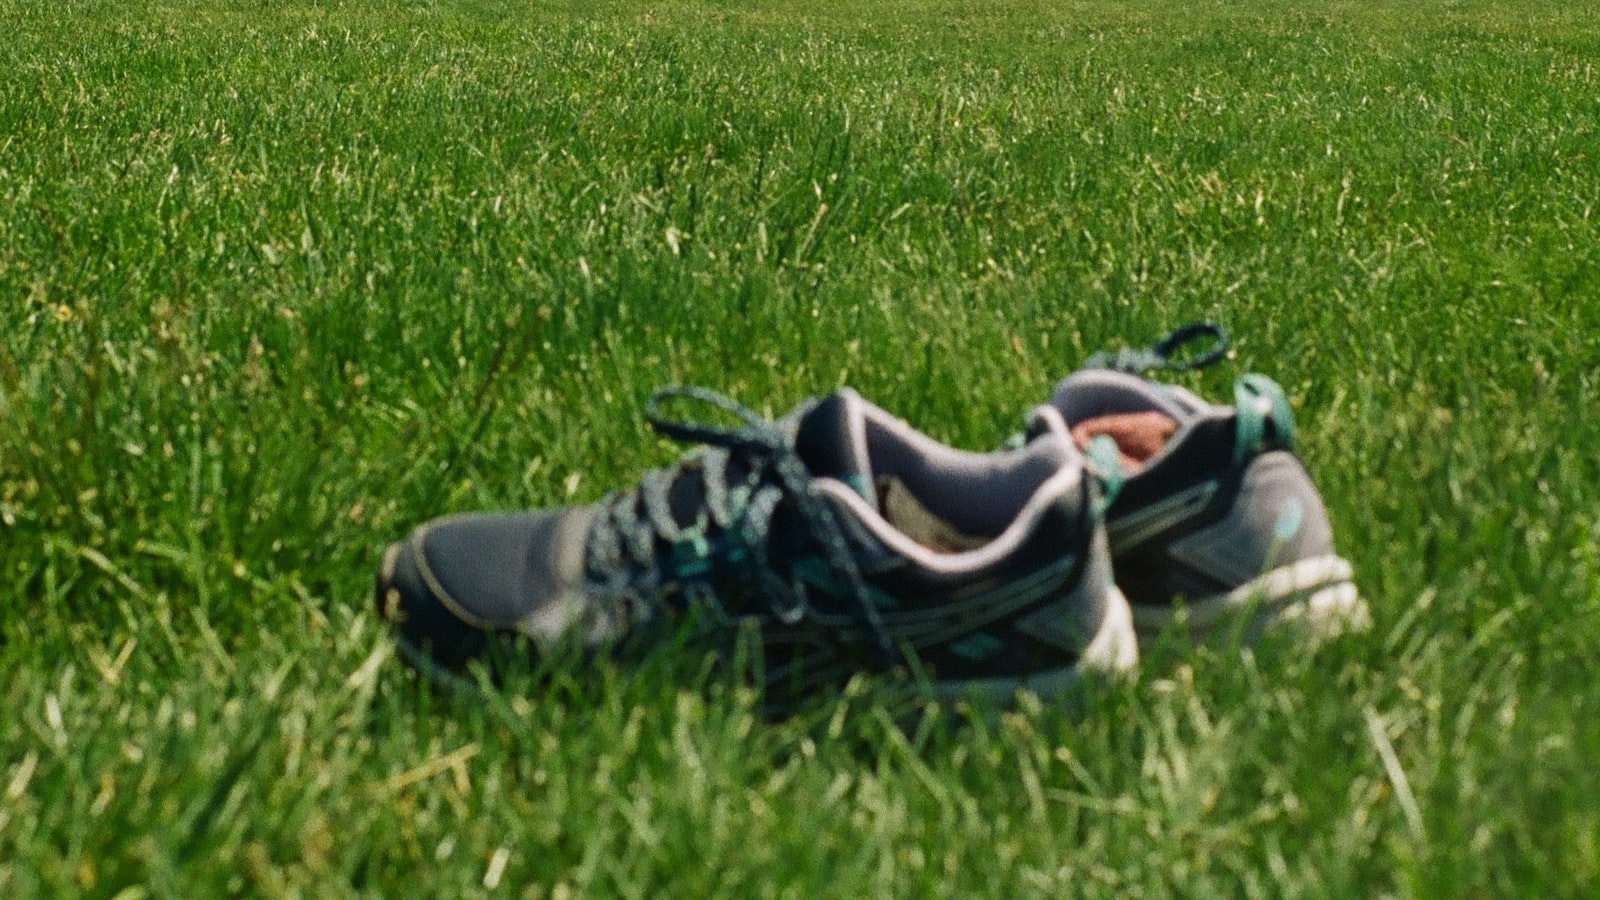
<point x="1160" y="355"/>
<point x="742" y="512"/>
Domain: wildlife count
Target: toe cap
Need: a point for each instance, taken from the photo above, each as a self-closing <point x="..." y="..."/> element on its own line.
<point x="454" y="580"/>
<point x="421" y="622"/>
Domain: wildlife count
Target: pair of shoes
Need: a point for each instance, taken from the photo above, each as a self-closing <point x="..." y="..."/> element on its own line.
<point x="840" y="540"/>
<point x="836" y="541"/>
<point x="1217" y="531"/>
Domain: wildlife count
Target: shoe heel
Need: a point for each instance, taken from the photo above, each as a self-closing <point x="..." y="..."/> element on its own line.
<point x="1314" y="599"/>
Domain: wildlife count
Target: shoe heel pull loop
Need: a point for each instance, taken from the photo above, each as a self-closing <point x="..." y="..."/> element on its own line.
<point x="1159" y="356"/>
<point x="1189" y="334"/>
<point x="1262" y="417"/>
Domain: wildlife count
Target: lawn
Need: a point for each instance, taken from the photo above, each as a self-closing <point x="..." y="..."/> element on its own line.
<point x="278" y="281"/>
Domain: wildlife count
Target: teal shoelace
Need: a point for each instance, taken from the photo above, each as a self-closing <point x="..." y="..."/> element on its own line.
<point x="1162" y="356"/>
<point x="639" y="552"/>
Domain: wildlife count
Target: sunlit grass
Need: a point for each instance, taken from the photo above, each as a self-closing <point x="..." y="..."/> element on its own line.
<point x="280" y="281"/>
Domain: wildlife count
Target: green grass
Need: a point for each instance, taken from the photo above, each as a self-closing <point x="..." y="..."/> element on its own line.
<point x="278" y="281"/>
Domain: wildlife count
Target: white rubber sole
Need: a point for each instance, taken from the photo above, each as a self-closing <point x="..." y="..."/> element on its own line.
<point x="1114" y="650"/>
<point x="1314" y="599"/>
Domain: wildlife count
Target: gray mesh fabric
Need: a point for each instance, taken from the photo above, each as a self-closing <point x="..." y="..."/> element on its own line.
<point x="516" y="571"/>
<point x="1277" y="518"/>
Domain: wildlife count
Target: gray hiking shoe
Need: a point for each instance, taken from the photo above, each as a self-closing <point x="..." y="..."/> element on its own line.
<point x="841" y="538"/>
<point x="1217" y="527"/>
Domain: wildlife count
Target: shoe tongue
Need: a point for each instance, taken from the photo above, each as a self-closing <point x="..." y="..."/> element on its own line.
<point x="831" y="441"/>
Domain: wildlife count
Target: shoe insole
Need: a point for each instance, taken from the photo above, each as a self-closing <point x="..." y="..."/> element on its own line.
<point x="905" y="512"/>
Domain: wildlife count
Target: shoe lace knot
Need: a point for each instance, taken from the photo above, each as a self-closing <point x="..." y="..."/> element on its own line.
<point x="641" y="550"/>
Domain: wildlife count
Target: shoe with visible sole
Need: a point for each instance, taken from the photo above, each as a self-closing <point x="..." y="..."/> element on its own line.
<point x="1216" y="529"/>
<point x="841" y="538"/>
